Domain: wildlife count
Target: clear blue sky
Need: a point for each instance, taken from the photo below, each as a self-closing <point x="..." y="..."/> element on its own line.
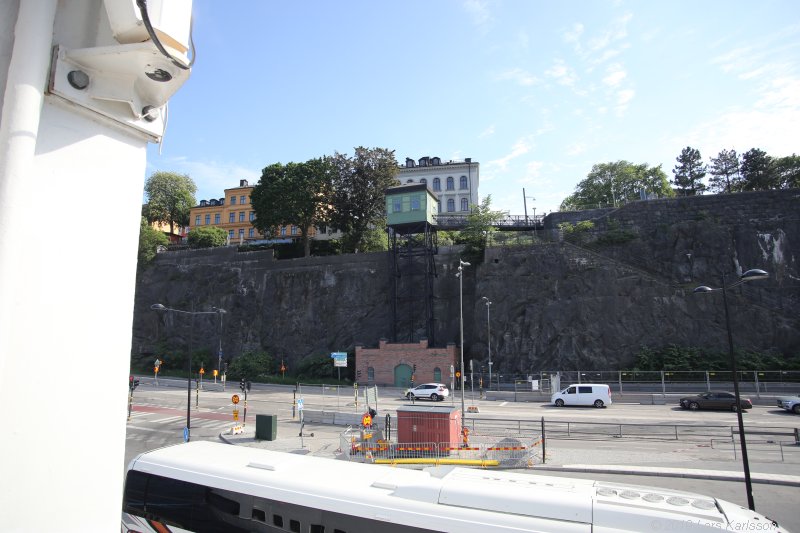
<point x="536" y="91"/>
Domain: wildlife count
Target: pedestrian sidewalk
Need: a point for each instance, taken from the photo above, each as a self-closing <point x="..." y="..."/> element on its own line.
<point x="670" y="459"/>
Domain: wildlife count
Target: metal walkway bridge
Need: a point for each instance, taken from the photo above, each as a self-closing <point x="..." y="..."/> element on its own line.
<point x="450" y="221"/>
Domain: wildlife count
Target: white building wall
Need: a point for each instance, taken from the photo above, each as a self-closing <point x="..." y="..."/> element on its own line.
<point x="447" y="169"/>
<point x="66" y="305"/>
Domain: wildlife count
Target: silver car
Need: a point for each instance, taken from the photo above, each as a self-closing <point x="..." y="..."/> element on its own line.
<point x="790" y="403"/>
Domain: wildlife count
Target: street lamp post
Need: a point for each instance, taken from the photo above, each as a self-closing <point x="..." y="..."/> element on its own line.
<point x="460" y="276"/>
<point x="488" y="338"/>
<point x="159" y="307"/>
<point x="750" y="275"/>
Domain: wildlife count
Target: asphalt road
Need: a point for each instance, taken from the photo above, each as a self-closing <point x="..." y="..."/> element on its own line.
<point x="159" y="416"/>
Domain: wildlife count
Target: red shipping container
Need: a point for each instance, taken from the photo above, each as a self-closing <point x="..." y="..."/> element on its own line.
<point x="435" y="424"/>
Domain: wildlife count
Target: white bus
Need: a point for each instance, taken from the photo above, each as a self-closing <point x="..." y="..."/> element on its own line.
<point x="212" y="487"/>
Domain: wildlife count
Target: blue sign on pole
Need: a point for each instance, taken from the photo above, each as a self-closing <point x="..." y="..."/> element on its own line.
<point x="185" y="434"/>
<point x="339" y="358"/>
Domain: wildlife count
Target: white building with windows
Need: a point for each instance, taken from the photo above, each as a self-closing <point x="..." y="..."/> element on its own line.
<point x="455" y="183"/>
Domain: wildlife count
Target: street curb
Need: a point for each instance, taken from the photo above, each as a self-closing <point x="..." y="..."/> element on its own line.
<point x="716" y="475"/>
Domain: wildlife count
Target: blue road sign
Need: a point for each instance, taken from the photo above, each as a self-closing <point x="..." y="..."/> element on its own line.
<point x="185" y="434"/>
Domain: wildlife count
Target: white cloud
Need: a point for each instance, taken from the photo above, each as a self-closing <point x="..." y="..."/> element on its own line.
<point x="615" y="32"/>
<point x="562" y="73"/>
<point x="576" y="149"/>
<point x="479" y="12"/>
<point x="615" y="75"/>
<point x="520" y="148"/>
<point x="624" y="96"/>
<point x="211" y="177"/>
<point x="488" y="132"/>
<point x="519" y="76"/>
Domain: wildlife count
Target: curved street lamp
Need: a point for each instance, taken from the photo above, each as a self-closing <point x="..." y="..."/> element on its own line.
<point x="216" y="311"/>
<point x="750" y="275"/>
<point x="460" y="276"/>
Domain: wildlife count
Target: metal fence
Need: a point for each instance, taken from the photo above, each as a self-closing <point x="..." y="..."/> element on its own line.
<point x="622" y="381"/>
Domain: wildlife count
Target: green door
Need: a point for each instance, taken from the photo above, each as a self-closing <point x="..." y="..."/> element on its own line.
<point x="402" y="376"/>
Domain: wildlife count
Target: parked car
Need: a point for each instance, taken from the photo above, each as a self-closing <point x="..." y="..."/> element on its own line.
<point x="715" y="400"/>
<point x="434" y="391"/>
<point x="790" y="403"/>
<point x="595" y="394"/>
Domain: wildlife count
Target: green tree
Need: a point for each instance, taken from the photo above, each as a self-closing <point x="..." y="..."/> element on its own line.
<point x="207" y="237"/>
<point x="617" y="182"/>
<point x="359" y="191"/>
<point x="479" y="228"/>
<point x="758" y="173"/>
<point x="170" y="196"/>
<point x="149" y="241"/>
<point x="293" y="194"/>
<point x="254" y="366"/>
<point x="788" y="171"/>
<point x="689" y="172"/>
<point x="724" y="170"/>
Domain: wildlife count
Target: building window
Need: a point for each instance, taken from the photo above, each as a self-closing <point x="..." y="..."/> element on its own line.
<point x="233" y="200"/>
<point x="463" y="183"/>
<point x="437" y="375"/>
<point x="252" y="216"/>
<point x="232" y="217"/>
<point x="464" y="204"/>
<point x="207" y="219"/>
<point x="397" y="205"/>
<point x="197" y="220"/>
<point x="423" y="180"/>
<point x="251" y="233"/>
<point x="437" y="184"/>
<point x="283" y="231"/>
<point x="371" y="375"/>
<point x="241" y="233"/>
<point x="294" y="230"/>
<point x="409" y="181"/>
<point x="216" y="218"/>
<point x="242" y="200"/>
<point x="450" y="183"/>
<point x="415" y="202"/>
<point x="438" y="206"/>
<point x="230" y="234"/>
<point x="451" y="205"/>
<point x="241" y="216"/>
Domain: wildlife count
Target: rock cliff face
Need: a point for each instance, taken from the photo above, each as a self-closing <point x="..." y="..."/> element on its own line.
<point x="556" y="305"/>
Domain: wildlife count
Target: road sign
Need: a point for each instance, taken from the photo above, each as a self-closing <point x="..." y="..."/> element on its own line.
<point x="236" y="414"/>
<point x="185" y="434"/>
<point x="202" y="370"/>
<point x="300" y="404"/>
<point x="458" y="373"/>
<point x="339" y="359"/>
<point x="215" y="372"/>
<point x="235" y="399"/>
<point x="366" y="420"/>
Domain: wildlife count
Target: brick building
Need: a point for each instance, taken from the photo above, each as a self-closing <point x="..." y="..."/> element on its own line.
<point x="394" y="364"/>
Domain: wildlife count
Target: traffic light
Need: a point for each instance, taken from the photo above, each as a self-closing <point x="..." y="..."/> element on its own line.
<point x="415" y="368"/>
<point x="132" y="383"/>
<point x="241" y="384"/>
<point x="248" y="385"/>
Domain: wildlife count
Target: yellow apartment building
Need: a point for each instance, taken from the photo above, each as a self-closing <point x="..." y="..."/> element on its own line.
<point x="235" y="215"/>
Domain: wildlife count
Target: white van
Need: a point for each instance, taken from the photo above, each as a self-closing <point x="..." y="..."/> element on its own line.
<point x="595" y="394"/>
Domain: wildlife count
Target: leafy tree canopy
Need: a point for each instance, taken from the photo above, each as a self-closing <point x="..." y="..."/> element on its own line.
<point x="689" y="172"/>
<point x="477" y="232"/>
<point x="359" y="188"/>
<point x="149" y="241"/>
<point x="170" y="196"/>
<point x="620" y="181"/>
<point x="758" y="172"/>
<point x="207" y="237"/>
<point x="293" y="194"/>
<point x="788" y="171"/>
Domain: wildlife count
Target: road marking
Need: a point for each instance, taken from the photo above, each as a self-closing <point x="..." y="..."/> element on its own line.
<point x="169" y="419"/>
<point x="503" y="404"/>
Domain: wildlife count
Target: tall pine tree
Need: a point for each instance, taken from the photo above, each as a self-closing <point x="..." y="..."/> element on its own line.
<point x="689" y="172"/>
<point x="724" y="170"/>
